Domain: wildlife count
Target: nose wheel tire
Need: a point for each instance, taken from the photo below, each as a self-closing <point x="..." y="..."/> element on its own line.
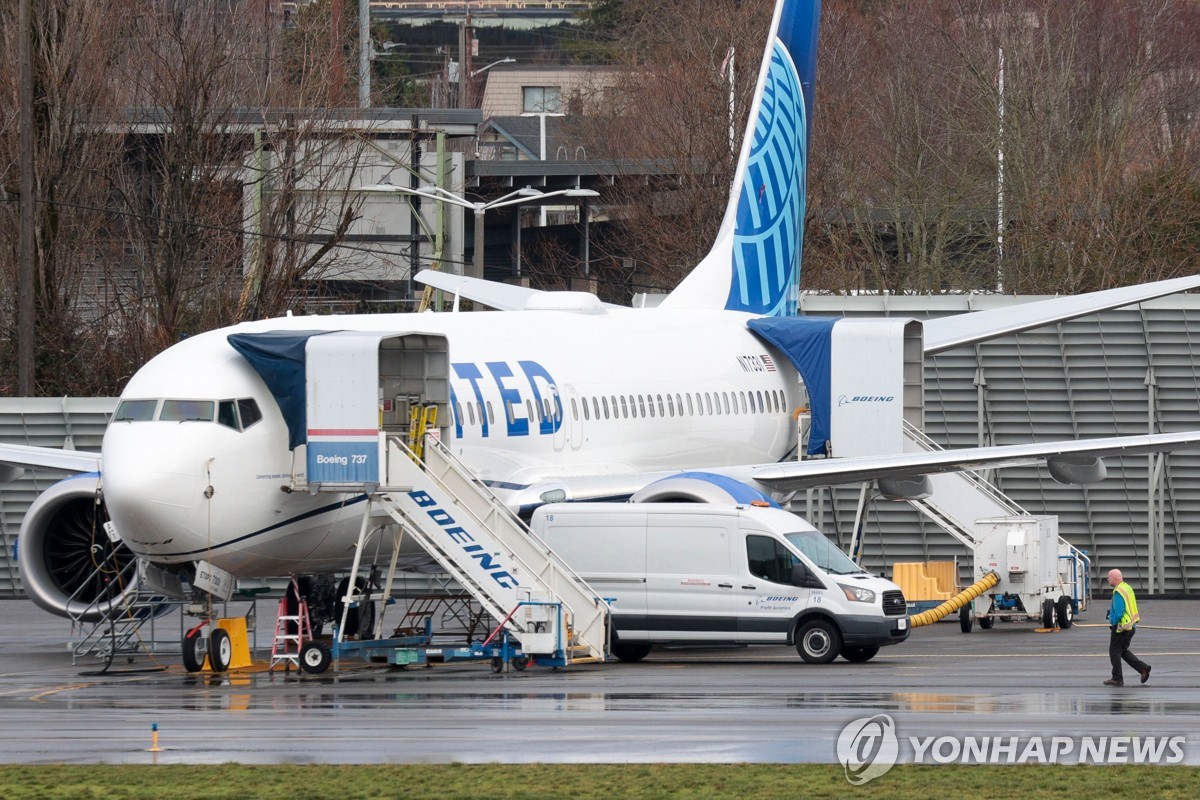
<point x="315" y="657"/>
<point x="195" y="648"/>
<point x="220" y="650"/>
<point x="818" y="641"/>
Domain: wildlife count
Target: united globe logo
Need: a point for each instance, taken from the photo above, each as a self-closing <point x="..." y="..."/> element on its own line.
<point x="867" y="748"/>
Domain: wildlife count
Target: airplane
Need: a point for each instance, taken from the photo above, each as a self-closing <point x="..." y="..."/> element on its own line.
<point x="554" y="396"/>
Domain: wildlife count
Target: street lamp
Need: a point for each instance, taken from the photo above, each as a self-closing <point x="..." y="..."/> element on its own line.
<point x="441" y="195"/>
<point x="494" y="63"/>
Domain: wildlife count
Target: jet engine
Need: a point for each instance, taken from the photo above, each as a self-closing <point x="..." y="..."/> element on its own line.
<point x="69" y="566"/>
<point x="700" y="487"/>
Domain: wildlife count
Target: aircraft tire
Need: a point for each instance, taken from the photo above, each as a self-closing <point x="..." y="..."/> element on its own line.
<point x="220" y="650"/>
<point x="195" y="648"/>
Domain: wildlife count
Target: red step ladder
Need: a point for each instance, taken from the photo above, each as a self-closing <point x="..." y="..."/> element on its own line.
<point x="292" y="629"/>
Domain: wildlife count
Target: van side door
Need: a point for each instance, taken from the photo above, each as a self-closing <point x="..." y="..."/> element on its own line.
<point x="767" y="602"/>
<point x="690" y="577"/>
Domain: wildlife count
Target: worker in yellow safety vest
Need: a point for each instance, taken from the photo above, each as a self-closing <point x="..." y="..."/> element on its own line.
<point x="1123" y="619"/>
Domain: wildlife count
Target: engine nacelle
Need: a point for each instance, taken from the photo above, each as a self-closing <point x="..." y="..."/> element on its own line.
<point x="62" y="543"/>
<point x="700" y="487"/>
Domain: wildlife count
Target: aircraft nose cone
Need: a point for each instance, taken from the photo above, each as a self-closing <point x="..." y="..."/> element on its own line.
<point x="153" y="488"/>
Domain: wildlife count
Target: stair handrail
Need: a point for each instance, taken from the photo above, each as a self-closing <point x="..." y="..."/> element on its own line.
<point x="496" y="503"/>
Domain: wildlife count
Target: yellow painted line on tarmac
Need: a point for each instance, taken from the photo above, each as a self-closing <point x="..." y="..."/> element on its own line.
<point x="57" y="689"/>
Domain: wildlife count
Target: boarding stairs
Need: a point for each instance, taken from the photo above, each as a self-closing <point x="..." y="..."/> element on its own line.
<point x="492" y="554"/>
<point x="961" y="498"/>
<point x="118" y="629"/>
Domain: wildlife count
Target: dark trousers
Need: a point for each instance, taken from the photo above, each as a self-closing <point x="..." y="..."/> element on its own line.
<point x="1118" y="650"/>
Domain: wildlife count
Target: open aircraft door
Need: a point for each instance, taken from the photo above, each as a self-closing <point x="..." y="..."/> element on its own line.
<point x="364" y="387"/>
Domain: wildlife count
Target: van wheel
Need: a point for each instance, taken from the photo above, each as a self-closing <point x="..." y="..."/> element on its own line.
<point x="859" y="655"/>
<point x="818" y="641"/>
<point x="629" y="652"/>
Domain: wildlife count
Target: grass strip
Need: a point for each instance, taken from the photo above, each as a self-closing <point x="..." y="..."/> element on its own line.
<point x="583" y="781"/>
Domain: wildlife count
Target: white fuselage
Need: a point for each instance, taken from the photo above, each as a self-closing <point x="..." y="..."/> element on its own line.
<point x="640" y="392"/>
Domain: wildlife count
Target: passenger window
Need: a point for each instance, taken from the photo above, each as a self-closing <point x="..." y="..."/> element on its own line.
<point x="471" y="412"/>
<point x="227" y="414"/>
<point x="458" y="415"/>
<point x="769" y="559"/>
<point x="670" y="406"/>
<point x="575" y="409"/>
<point x="661" y="409"/>
<point x="491" y="417"/>
<point x="762" y="406"/>
<point x="248" y="410"/>
<point x="135" y="411"/>
<point x="708" y="403"/>
<point x="187" y="411"/>
<point x="605" y="399"/>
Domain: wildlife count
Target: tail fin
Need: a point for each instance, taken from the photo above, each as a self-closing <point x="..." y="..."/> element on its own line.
<point x="754" y="265"/>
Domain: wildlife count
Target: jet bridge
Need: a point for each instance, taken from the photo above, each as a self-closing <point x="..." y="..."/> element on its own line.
<point x="376" y="409"/>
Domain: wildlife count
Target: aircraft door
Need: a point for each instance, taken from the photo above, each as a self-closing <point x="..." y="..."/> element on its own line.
<point x="570" y="432"/>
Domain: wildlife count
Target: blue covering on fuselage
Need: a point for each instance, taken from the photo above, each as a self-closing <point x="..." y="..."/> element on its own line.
<point x="278" y="357"/>
<point x="806" y="343"/>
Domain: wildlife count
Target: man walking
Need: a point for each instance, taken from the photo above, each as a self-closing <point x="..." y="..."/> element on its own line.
<point x="1123" y="617"/>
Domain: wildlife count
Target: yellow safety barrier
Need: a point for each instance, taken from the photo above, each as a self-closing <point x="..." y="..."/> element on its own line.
<point x="955" y="603"/>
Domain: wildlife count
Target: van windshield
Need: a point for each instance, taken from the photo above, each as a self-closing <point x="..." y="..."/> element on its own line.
<point x="822" y="552"/>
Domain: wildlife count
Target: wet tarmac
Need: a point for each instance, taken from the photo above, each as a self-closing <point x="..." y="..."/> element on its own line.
<point x="757" y="704"/>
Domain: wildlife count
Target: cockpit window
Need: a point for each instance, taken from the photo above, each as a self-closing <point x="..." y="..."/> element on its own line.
<point x="187" y="411"/>
<point x="227" y="414"/>
<point x="249" y="411"/>
<point x="135" y="411"/>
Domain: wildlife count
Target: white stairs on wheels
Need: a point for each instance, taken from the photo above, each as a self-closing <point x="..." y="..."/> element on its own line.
<point x="537" y="597"/>
<point x="961" y="498"/>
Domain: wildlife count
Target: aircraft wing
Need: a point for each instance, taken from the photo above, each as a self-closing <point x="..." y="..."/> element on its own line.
<point x="503" y="296"/>
<point x="823" y="472"/>
<point x="946" y="333"/>
<point x="792" y="475"/>
<point x="14" y="458"/>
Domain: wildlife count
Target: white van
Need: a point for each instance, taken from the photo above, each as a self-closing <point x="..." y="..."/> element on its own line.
<point x="710" y="573"/>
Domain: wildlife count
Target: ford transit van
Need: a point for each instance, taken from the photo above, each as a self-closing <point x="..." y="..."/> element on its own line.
<point x="736" y="574"/>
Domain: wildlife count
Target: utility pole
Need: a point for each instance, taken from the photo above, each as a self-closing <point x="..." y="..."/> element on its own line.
<point x="364" y="53"/>
<point x="26" y="326"/>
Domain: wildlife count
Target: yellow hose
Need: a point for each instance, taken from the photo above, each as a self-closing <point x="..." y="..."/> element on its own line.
<point x="955" y="603"/>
